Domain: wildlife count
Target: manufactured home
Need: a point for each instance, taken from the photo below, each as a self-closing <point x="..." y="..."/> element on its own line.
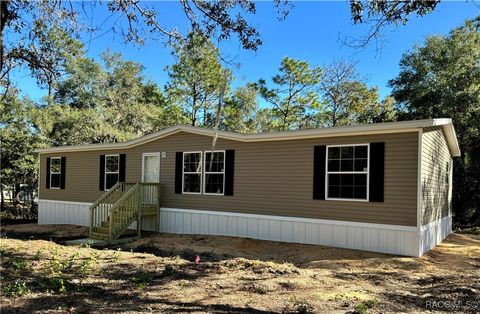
<point x="383" y="187"/>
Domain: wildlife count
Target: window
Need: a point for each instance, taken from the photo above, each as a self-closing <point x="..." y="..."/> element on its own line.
<point x="55" y="172"/>
<point x="214" y="176"/>
<point x="192" y="172"/>
<point x="112" y="170"/>
<point x="347" y="172"/>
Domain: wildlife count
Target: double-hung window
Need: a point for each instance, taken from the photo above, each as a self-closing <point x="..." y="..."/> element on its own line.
<point x="214" y="175"/>
<point x="192" y="172"/>
<point x="112" y="170"/>
<point x="55" y="172"/>
<point x="347" y="172"/>
<point x="204" y="173"/>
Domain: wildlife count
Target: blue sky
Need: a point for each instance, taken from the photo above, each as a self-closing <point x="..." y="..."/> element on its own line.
<point x="311" y="32"/>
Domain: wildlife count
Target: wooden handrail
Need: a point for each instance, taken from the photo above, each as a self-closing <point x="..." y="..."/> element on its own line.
<point x="99" y="209"/>
<point x="105" y="195"/>
<point x="112" y="211"/>
<point x="122" y="205"/>
<point x="124" y="197"/>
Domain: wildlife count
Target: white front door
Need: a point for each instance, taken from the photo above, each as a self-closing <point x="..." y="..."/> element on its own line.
<point x="150" y="174"/>
<point x="151" y="167"/>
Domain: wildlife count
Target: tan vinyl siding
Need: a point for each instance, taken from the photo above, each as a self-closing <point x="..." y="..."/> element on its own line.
<point x="436" y="179"/>
<point x="271" y="178"/>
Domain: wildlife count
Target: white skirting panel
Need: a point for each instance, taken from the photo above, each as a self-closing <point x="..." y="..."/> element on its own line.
<point x="434" y="233"/>
<point x="389" y="239"/>
<point x="61" y="212"/>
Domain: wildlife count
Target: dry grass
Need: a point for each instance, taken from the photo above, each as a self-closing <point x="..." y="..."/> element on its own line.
<point x="157" y="274"/>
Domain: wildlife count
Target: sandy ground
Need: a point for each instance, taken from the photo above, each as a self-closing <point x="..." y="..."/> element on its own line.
<point x="157" y="274"/>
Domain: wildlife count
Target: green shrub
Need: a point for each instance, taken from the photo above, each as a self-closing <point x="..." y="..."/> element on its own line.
<point x="61" y="269"/>
<point x="15" y="289"/>
<point x="89" y="264"/>
<point x="19" y="264"/>
<point x="6" y="251"/>
<point x="116" y="256"/>
<point x="362" y="308"/>
<point x="59" y="284"/>
<point x="169" y="271"/>
<point x="141" y="280"/>
<point x="38" y="255"/>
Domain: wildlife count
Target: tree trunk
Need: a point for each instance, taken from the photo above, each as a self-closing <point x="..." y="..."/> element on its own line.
<point x="204" y="115"/>
<point x="49" y="101"/>
<point x="3" y="20"/>
<point x="194" y="116"/>
<point x="2" y="202"/>
<point x="194" y="106"/>
<point x="16" y="186"/>
<point x="334" y="116"/>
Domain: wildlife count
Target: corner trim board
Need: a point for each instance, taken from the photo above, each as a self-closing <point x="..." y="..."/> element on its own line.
<point x="419" y="181"/>
<point x="433" y="233"/>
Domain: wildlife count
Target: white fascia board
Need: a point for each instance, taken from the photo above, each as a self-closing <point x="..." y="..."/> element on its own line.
<point x="450" y="135"/>
<point x="390" y="127"/>
<point x="452" y="140"/>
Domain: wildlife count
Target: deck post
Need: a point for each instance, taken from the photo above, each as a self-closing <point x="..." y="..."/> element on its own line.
<point x="157" y="212"/>
<point x="91" y="222"/>
<point x="110" y="223"/>
<point x="139" y="226"/>
<point x="139" y="204"/>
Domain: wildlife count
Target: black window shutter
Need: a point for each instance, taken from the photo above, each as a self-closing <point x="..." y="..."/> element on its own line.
<point x="47" y="179"/>
<point x="377" y="171"/>
<point x="121" y="175"/>
<point x="63" y="167"/>
<point x="101" y="180"/>
<point x="229" y="171"/>
<point x="178" y="172"/>
<point x="319" y="172"/>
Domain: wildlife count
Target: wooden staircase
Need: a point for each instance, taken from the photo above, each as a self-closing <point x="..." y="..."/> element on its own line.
<point x="117" y="209"/>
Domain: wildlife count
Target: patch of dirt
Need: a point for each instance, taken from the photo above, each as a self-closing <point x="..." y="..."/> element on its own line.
<point x="55" y="233"/>
<point x="158" y="273"/>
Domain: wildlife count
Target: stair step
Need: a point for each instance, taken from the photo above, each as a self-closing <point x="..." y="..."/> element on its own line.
<point x="117" y="220"/>
<point x="103" y="230"/>
<point x="123" y="216"/>
<point x="124" y="212"/>
<point x="106" y="225"/>
<point x="99" y="236"/>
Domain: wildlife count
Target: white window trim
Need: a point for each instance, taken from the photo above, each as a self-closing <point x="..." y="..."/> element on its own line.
<point x="105" y="170"/>
<point x="205" y="172"/>
<point x="348" y="172"/>
<point x="157" y="154"/>
<point x="51" y="172"/>
<point x="200" y="173"/>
